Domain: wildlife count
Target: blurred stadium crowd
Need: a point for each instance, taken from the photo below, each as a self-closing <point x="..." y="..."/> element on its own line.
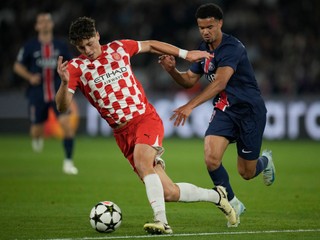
<point x="282" y="36"/>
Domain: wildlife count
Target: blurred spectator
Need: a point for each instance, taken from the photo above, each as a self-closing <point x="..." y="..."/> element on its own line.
<point x="282" y="36"/>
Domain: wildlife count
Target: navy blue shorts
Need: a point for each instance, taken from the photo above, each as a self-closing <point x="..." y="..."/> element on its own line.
<point x="39" y="111"/>
<point x="246" y="132"/>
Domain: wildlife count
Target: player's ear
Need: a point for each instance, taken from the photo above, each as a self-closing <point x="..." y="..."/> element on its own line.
<point x="98" y="35"/>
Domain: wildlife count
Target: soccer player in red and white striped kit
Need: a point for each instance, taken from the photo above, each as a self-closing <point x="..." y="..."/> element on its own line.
<point x="104" y="75"/>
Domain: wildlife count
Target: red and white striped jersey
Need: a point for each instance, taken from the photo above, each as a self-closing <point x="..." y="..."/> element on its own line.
<point x="109" y="83"/>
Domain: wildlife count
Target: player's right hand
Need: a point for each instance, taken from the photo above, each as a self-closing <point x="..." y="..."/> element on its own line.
<point x="35" y="79"/>
<point x="62" y="69"/>
<point x="181" y="114"/>
<point x="168" y="62"/>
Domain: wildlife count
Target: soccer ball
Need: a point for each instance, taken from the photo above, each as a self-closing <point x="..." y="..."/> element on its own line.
<point x="105" y="216"/>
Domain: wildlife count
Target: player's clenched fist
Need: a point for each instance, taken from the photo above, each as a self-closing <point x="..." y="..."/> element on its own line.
<point x="167" y="62"/>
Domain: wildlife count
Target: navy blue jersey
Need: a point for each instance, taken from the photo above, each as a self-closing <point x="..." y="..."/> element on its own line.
<point x="241" y="97"/>
<point x="42" y="58"/>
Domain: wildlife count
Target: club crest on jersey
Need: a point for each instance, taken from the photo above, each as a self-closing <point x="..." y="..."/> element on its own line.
<point x="211" y="67"/>
<point x="208" y="66"/>
<point x="116" y="56"/>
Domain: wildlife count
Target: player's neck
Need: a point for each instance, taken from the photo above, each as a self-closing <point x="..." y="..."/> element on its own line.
<point x="45" y="37"/>
<point x="213" y="45"/>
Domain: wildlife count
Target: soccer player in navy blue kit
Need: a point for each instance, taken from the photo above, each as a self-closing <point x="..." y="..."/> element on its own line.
<point x="36" y="63"/>
<point x="239" y="111"/>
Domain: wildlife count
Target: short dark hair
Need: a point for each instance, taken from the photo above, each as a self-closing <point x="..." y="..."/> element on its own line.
<point x="209" y="10"/>
<point x="80" y="29"/>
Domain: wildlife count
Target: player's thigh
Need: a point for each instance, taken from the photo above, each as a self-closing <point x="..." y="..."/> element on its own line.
<point x="149" y="134"/>
<point x="214" y="147"/>
<point x="143" y="157"/>
<point x="221" y="131"/>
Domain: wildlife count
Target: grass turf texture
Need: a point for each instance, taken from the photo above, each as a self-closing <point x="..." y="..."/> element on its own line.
<point x="37" y="201"/>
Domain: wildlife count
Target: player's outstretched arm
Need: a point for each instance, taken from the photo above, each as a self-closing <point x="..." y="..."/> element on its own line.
<point x="185" y="79"/>
<point x="63" y="96"/>
<point x="158" y="47"/>
<point x="223" y="74"/>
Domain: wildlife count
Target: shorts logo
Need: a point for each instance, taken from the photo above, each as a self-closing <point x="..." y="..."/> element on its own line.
<point x="244" y="151"/>
<point x="147" y="135"/>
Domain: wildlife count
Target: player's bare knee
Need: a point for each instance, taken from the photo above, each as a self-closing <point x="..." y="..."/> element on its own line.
<point x="212" y="163"/>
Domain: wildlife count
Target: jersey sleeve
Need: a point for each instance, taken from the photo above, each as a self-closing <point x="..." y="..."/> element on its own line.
<point x="74" y="76"/>
<point x="131" y="46"/>
<point x="23" y="55"/>
<point x="231" y="56"/>
<point x="196" y="67"/>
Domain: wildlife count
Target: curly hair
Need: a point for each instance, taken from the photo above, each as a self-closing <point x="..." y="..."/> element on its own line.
<point x="80" y="29"/>
<point x="209" y="10"/>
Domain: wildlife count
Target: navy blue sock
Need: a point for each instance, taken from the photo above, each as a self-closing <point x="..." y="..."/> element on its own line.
<point x="220" y="177"/>
<point x="68" y="147"/>
<point x="261" y="164"/>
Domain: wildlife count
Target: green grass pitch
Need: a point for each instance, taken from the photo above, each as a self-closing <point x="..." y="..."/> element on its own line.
<point x="37" y="201"/>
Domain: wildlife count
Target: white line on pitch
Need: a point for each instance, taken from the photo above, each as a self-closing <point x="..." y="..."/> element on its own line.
<point x="190" y="234"/>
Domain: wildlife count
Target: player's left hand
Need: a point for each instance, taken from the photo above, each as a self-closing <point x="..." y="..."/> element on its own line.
<point x="180" y="115"/>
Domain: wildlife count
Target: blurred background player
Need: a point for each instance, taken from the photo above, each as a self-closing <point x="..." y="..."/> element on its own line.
<point x="36" y="63"/>
<point x="239" y="111"/>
